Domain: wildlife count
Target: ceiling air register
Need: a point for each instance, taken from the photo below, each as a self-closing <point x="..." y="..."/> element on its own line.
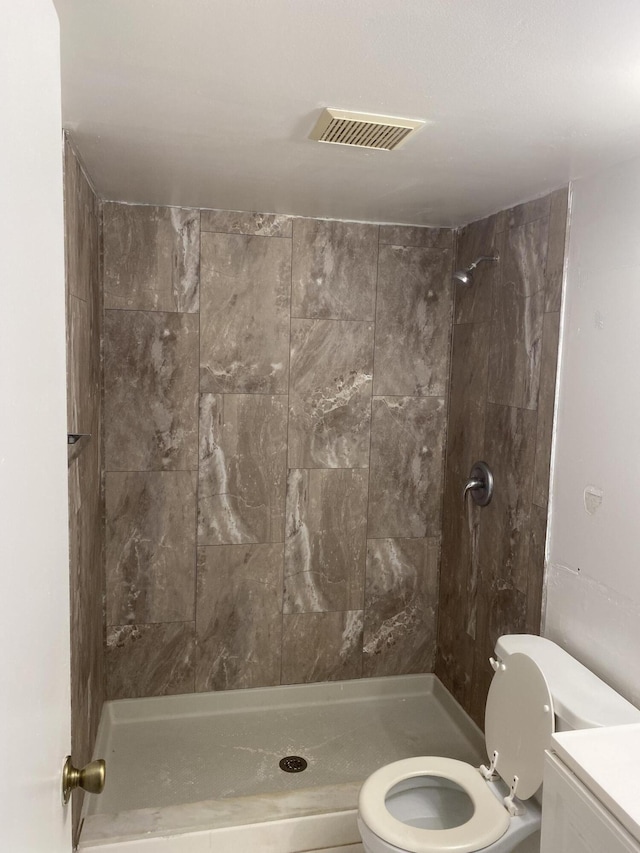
<point x="364" y="130"/>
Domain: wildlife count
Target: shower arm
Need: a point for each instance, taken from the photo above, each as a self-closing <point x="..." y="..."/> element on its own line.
<point x="482" y="258"/>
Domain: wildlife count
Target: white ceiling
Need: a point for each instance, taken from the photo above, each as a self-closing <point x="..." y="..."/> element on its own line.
<point x="209" y="103"/>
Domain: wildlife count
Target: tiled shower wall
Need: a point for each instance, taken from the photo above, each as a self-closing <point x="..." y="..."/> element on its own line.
<point x="275" y="415"/>
<point x="505" y="345"/>
<point x="86" y="529"/>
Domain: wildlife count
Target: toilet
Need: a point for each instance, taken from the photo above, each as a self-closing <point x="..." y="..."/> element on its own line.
<point x="431" y="804"/>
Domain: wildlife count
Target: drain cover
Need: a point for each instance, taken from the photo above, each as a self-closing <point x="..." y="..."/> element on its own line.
<point x="293" y="764"/>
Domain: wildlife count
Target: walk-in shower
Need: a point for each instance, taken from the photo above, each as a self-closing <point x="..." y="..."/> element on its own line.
<point x="465" y="276"/>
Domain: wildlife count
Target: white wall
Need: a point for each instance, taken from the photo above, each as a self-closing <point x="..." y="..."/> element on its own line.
<point x="34" y="564"/>
<point x="593" y="585"/>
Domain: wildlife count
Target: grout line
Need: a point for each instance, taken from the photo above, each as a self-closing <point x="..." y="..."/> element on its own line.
<point x="196" y="650"/>
<point x="287" y="469"/>
<point x="245" y="234"/>
<point x="335" y="319"/>
<point x="140" y="623"/>
<point x="151" y="311"/>
<point x="151" y="471"/>
<point x="366" y="527"/>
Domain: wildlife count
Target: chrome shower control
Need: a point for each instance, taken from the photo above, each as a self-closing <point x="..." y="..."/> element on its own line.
<point x="480" y="484"/>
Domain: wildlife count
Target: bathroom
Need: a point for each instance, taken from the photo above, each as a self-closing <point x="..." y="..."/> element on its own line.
<point x="404" y="578"/>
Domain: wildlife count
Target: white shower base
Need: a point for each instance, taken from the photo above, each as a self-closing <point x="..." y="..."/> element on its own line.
<point x="199" y="772"/>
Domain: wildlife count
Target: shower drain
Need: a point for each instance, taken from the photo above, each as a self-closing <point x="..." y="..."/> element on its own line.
<point x="293" y="764"/>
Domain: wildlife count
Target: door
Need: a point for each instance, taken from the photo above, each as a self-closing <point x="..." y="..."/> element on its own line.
<point x="34" y="574"/>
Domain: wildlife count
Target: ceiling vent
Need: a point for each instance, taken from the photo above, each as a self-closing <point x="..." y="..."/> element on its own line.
<point x="363" y="130"/>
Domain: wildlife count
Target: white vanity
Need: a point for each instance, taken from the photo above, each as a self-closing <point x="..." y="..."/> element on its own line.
<point x="591" y="792"/>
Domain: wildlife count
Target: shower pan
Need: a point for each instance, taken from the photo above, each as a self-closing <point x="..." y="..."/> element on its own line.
<point x="208" y="766"/>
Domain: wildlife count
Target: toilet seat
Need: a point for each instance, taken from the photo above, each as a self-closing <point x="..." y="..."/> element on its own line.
<point x="488" y="823"/>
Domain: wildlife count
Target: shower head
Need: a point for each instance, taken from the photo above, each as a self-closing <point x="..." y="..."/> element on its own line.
<point x="462" y="276"/>
<point x="465" y="276"/>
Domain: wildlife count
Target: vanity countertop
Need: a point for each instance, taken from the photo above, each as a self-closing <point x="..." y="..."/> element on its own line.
<point x="607" y="761"/>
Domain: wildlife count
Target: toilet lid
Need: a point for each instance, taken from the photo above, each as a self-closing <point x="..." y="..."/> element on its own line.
<point x="519" y="722"/>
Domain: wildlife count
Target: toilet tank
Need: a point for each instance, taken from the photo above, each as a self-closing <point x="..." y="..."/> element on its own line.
<point x="581" y="700"/>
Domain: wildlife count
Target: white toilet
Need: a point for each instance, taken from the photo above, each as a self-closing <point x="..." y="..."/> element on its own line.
<point x="431" y="804"/>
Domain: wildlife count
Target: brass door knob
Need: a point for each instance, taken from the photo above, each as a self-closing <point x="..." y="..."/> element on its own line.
<point x="91" y="778"/>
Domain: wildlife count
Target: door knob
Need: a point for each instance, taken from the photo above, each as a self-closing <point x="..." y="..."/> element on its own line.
<point x="91" y="778"/>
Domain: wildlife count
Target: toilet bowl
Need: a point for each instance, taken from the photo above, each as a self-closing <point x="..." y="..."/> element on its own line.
<point x="431" y="804"/>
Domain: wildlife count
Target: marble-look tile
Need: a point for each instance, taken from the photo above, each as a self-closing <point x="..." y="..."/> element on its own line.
<point x="546" y="403"/>
<point x="151" y="391"/>
<point x="151" y="553"/>
<point x="525" y="257"/>
<point x="473" y="304"/>
<point x="86" y="533"/>
<point x="502" y="610"/>
<point x="459" y="573"/>
<point x="535" y="574"/>
<point x="244" y="314"/>
<point x="454" y="656"/>
<point x="330" y="394"/>
<point x="555" y="252"/>
<point x="407" y="446"/>
<point x="86" y="576"/>
<point x="516" y="343"/>
<point x="400" y="606"/>
<point x="82" y="395"/>
<point x="151" y="257"/>
<point x="238" y="616"/>
<point x="412" y="235"/>
<point x="243" y="468"/>
<point x="529" y="211"/>
<point x="325" y="540"/>
<point x="82" y="231"/>
<point x="334" y="270"/>
<point x="321" y="646"/>
<point x="241" y="222"/>
<point x="510" y="453"/>
<point x="150" y="660"/>
<point x="413" y="321"/>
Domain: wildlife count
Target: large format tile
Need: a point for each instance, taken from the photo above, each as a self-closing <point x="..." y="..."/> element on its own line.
<point x="504" y="534"/>
<point x="86" y="575"/>
<point x="151" y="257"/>
<point x="400" y="606"/>
<point x="546" y="404"/>
<point x="473" y="303"/>
<point x="516" y="343"/>
<point x="525" y="257"/>
<point x="330" y="394"/>
<point x="325" y="540"/>
<point x="413" y="321"/>
<point x="151" y="555"/>
<point x="528" y="211"/>
<point x="459" y="574"/>
<point x="244" y="314"/>
<point x="555" y="252"/>
<point x="412" y="235"/>
<point x="83" y="397"/>
<point x="151" y="391"/>
<point x="82" y="234"/>
<point x="86" y="532"/>
<point x="321" y="646"/>
<point x="407" y="446"/>
<point x="150" y="660"/>
<point x="535" y="574"/>
<point x="243" y="464"/>
<point x="241" y="222"/>
<point x="238" y="616"/>
<point x="334" y="270"/>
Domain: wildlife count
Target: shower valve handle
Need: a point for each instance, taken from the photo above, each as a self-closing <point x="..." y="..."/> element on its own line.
<point x="480" y="484"/>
